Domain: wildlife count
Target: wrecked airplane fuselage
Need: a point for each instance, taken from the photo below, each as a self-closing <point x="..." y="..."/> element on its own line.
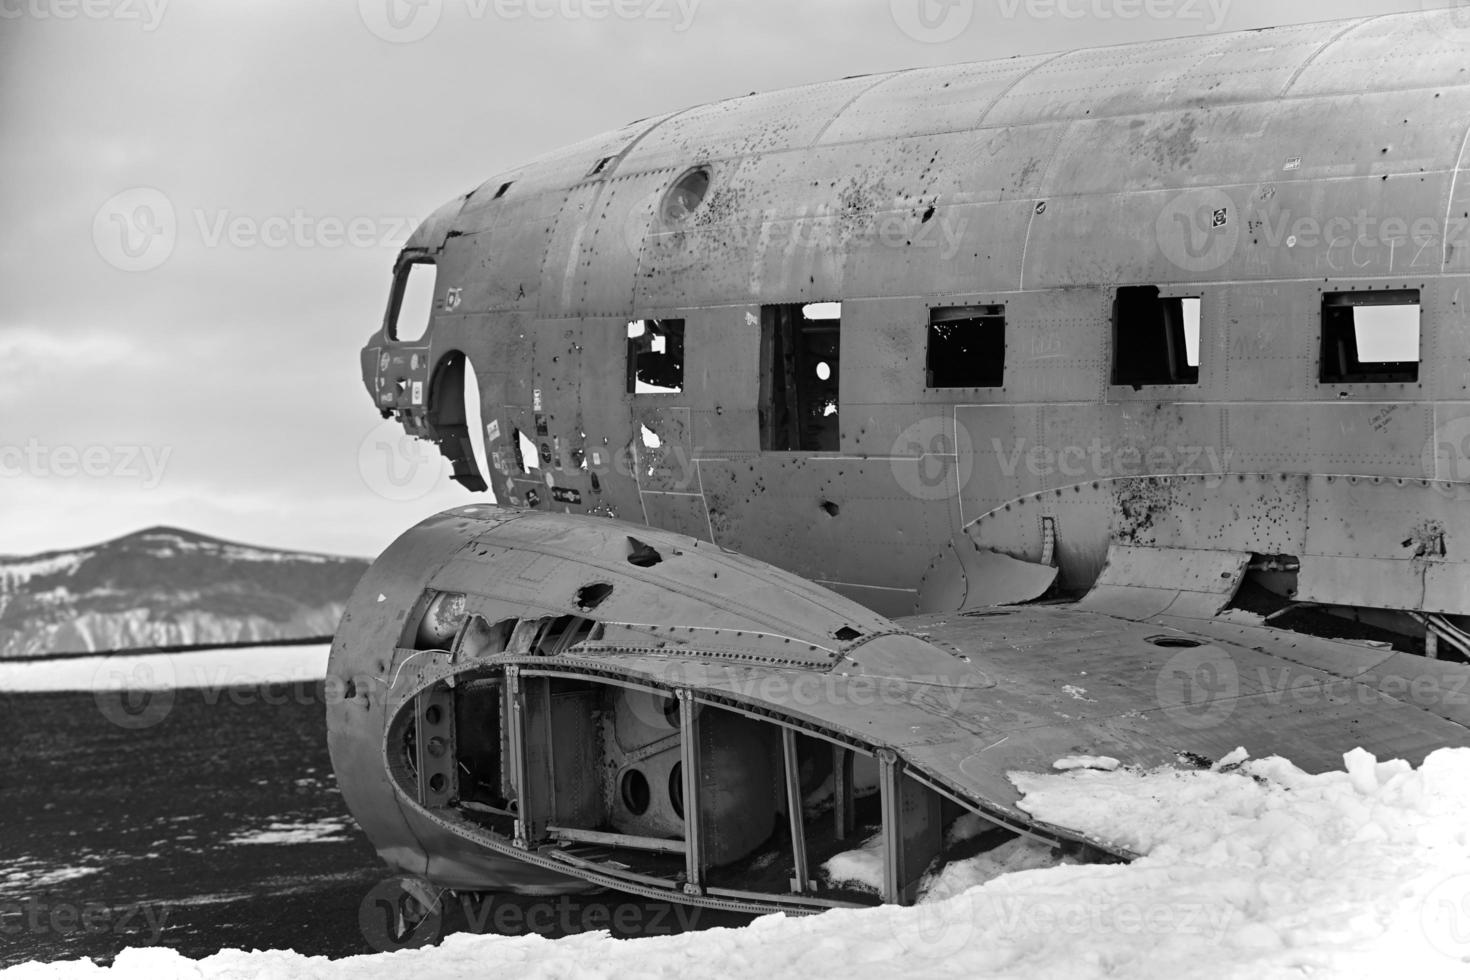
<point x="794" y="399"/>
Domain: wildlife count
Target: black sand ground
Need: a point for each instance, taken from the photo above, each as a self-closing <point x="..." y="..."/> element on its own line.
<point x="150" y="812"/>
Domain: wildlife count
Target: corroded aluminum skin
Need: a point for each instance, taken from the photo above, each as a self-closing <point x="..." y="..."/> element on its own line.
<point x="1041" y="183"/>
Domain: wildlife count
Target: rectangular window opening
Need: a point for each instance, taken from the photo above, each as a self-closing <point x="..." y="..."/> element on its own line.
<point x="800" y="361"/>
<point x="412" y="305"/>
<point x="655" y="357"/>
<point x="1371" y="337"/>
<point x="967" y="347"/>
<point x="1156" y="339"/>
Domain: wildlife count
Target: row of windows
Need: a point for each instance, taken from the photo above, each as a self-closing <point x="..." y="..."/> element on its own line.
<point x="1366" y="338"/>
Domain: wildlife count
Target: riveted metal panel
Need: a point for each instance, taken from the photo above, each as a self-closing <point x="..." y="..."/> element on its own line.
<point x="757" y="124"/>
<point x="1372" y="439"/>
<point x="770" y="507"/>
<point x="1126" y="78"/>
<point x="562" y="254"/>
<point x="929" y="100"/>
<point x="1423" y="48"/>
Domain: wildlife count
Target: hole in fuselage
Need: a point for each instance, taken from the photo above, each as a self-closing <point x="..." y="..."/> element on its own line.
<point x="592" y="596"/>
<point x="1174" y="642"/>
<point x="676" y="789"/>
<point x="642" y="555"/>
<point x="636" y="795"/>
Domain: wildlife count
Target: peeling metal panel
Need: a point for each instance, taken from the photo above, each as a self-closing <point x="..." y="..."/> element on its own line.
<point x="1140" y="583"/>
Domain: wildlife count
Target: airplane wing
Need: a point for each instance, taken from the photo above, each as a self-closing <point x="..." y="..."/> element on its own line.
<point x="546" y="701"/>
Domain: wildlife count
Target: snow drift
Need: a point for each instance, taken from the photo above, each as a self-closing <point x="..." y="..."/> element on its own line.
<point x="1250" y="870"/>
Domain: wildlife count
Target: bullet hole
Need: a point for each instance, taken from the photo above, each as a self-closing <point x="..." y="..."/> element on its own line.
<point x="832" y="509"/>
<point x="928" y="215"/>
<point x="643" y="555"/>
<point x="592" y="596"/>
<point x="650" y="438"/>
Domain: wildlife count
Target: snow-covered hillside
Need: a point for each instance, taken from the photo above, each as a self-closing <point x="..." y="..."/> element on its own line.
<point x="163" y="588"/>
<point x="1252" y="870"/>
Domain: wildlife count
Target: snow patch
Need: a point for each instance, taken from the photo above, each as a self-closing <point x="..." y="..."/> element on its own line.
<point x="1101" y="762"/>
<point x="208" y="669"/>
<point x="1262" y="872"/>
<point x="330" y="830"/>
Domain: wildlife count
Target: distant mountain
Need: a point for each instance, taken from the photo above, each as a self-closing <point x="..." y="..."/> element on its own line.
<point x="168" y="588"/>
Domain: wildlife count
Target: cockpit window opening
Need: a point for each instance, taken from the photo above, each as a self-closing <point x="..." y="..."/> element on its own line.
<point x="412" y="303"/>
<point x="1156" y="339"/>
<point x="967" y="347"/>
<point x="1371" y="337"/>
<point x="655" y="357"/>
<point x="600" y="166"/>
<point x="800" y="371"/>
<point x="685" y="197"/>
<point x="504" y="189"/>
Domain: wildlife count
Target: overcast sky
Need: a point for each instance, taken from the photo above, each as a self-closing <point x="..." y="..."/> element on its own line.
<point x="210" y="380"/>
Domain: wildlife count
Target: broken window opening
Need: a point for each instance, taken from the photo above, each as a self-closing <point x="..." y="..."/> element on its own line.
<point x="412" y="304"/>
<point x="1371" y="337"/>
<point x="967" y="347"/>
<point x="655" y="357"/>
<point x="528" y="457"/>
<point x="1151" y="344"/>
<point x="800" y="403"/>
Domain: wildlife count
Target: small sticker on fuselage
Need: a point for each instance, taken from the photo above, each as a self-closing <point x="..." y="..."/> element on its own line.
<point x="492" y="431"/>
